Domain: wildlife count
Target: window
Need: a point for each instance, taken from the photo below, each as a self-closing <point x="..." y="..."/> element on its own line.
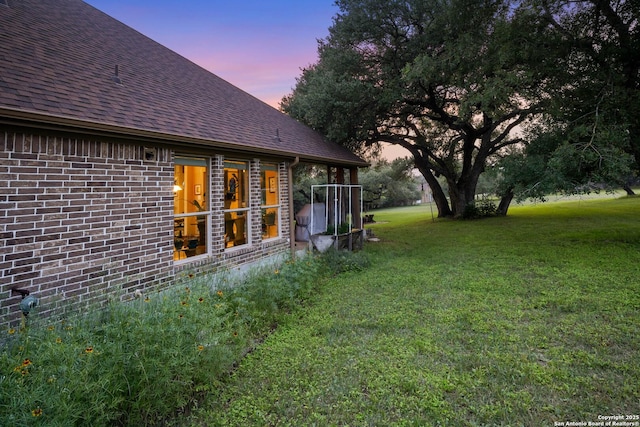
<point x="236" y="203"/>
<point x="191" y="209"/>
<point x="270" y="200"/>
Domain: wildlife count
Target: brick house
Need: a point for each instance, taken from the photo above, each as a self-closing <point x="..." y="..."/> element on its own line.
<point x="123" y="164"/>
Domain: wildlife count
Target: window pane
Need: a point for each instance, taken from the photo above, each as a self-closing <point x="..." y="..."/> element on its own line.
<point x="236" y="184"/>
<point x="189" y="190"/>
<point x="236" y="203"/>
<point x="269" y="186"/>
<point x="235" y="229"/>
<point x="269" y="223"/>
<point x="190" y="236"/>
<point x="269" y="190"/>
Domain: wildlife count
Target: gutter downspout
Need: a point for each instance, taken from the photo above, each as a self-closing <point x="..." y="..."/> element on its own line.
<point x="292" y="227"/>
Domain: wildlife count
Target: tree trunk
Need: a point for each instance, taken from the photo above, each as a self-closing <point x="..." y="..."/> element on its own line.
<point x="463" y="193"/>
<point x="628" y="189"/>
<point x="436" y="190"/>
<point x="505" y="201"/>
<point x="458" y="200"/>
<point x="439" y="197"/>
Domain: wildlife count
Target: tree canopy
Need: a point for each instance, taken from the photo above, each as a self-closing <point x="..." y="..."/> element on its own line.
<point x="458" y="83"/>
<point x="590" y="134"/>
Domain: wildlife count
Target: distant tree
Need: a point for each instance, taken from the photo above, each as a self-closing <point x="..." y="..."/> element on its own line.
<point x="304" y="176"/>
<point x="563" y="161"/>
<point x="385" y="184"/>
<point x="389" y="184"/>
<point x="448" y="81"/>
<point x="591" y="134"/>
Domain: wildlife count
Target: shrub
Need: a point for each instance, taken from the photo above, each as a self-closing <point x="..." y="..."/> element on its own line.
<point x="487" y="208"/>
<point x="482" y="209"/>
<point x="142" y="362"/>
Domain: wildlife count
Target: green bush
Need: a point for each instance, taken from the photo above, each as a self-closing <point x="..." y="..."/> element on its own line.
<point x="481" y="209"/>
<point x="145" y="361"/>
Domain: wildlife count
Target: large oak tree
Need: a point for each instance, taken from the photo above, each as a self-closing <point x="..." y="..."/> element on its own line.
<point x="450" y="81"/>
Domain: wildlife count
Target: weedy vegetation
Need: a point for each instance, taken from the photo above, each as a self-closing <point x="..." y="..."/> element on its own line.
<point x="148" y="361"/>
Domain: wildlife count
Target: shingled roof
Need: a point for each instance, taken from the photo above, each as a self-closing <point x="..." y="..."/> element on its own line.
<point x="65" y="64"/>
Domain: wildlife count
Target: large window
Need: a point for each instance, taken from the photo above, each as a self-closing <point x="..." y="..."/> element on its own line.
<point x="236" y="203"/>
<point x="191" y="208"/>
<point x="270" y="201"/>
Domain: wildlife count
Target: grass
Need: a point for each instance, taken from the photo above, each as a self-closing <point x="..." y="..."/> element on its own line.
<point x="528" y="320"/>
<point x="150" y="360"/>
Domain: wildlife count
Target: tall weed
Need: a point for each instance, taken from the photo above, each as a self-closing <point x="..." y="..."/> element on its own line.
<point x="143" y="362"/>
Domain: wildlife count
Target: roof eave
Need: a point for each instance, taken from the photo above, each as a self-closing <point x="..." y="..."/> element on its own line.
<point x="46" y="121"/>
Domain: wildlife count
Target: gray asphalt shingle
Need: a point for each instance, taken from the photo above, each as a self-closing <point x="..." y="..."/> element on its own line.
<point x="58" y="58"/>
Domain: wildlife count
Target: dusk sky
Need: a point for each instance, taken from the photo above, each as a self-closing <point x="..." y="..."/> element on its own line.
<point x="259" y="46"/>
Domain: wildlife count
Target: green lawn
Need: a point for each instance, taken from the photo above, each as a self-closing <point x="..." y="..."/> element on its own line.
<point x="532" y="319"/>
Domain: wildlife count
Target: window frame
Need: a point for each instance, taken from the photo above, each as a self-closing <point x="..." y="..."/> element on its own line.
<point x="204" y="203"/>
<point x="231" y="214"/>
<point x="266" y="208"/>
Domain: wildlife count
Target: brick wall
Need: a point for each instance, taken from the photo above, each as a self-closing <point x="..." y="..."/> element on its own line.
<point x="84" y="221"/>
<point x="81" y="221"/>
